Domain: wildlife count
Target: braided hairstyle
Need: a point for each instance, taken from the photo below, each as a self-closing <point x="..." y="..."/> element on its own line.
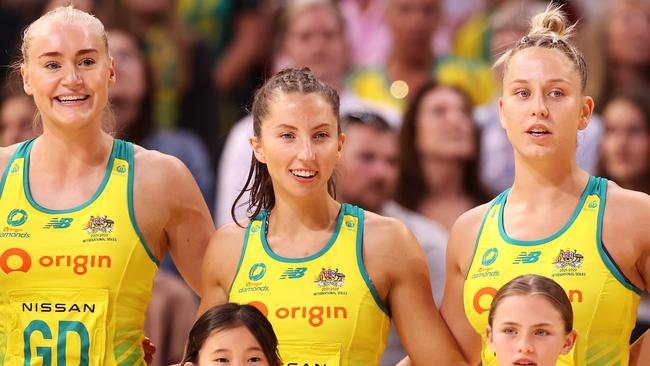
<point x="290" y="80"/>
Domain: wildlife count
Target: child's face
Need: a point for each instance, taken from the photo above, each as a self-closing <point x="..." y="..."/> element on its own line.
<point x="235" y="346"/>
<point x="528" y="330"/>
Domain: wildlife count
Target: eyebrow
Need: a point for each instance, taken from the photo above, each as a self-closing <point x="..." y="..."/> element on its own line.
<point x="534" y="325"/>
<point x="554" y="80"/>
<point x="254" y="348"/>
<point x="55" y="53"/>
<point x="287" y="126"/>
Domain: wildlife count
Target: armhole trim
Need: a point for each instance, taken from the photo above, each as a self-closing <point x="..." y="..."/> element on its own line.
<point x="496" y="201"/>
<point x="241" y="257"/>
<point x="127" y="149"/>
<point x="362" y="268"/>
<point x="16" y="154"/>
<point x="604" y="254"/>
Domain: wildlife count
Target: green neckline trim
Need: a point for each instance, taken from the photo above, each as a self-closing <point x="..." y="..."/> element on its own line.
<point x="98" y="192"/>
<point x="362" y="266"/>
<point x="567" y="225"/>
<point x="265" y="215"/>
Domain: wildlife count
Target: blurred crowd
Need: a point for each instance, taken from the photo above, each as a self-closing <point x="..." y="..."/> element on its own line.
<point x="419" y="102"/>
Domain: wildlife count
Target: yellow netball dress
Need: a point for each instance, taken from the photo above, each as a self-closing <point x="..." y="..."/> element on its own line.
<point x="324" y="308"/>
<point x="604" y="301"/>
<point x="74" y="284"/>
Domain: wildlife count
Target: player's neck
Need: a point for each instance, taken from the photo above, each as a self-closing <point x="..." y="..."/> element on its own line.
<point x="545" y="180"/>
<point x="55" y="149"/>
<point x="291" y="215"/>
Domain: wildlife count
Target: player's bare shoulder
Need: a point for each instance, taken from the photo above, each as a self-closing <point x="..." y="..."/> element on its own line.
<point x="384" y="233"/>
<point x="463" y="235"/>
<point x="156" y="170"/>
<point x="224" y="252"/>
<point x="470" y="221"/>
<point x="627" y="213"/>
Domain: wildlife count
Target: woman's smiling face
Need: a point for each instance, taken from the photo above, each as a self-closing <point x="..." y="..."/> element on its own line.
<point x="68" y="71"/>
<point x="299" y="143"/>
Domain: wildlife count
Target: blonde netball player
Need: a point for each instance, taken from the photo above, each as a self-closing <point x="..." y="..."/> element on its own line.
<point x="586" y="233"/>
<point x="329" y="276"/>
<point x="86" y="218"/>
<point x="530" y="322"/>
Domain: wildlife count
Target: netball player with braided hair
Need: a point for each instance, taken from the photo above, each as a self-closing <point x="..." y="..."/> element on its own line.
<point x="86" y="217"/>
<point x="328" y="275"/>
<point x="586" y="233"/>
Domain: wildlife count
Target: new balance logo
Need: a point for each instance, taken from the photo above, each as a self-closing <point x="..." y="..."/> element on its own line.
<point x="60" y="223"/>
<point x="527" y="257"/>
<point x="293" y="273"/>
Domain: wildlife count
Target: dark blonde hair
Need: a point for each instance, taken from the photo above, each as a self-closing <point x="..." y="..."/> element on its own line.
<point x="290" y="80"/>
<point x="65" y="14"/>
<point x="549" y="29"/>
<point x="536" y="285"/>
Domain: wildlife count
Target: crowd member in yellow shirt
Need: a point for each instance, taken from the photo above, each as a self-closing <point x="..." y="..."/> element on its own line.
<point x="412" y="62"/>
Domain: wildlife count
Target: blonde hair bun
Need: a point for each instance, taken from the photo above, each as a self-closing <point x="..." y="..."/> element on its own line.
<point x="552" y="22"/>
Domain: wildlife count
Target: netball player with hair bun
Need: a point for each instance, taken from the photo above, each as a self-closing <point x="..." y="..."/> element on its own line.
<point x="329" y="276"/>
<point x="86" y="217"/>
<point x="586" y="233"/>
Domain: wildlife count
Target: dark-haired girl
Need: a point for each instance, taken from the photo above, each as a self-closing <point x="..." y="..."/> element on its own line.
<point x="233" y="334"/>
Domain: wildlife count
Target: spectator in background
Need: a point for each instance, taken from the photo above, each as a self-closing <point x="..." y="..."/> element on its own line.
<point x="625" y="158"/>
<point x="411" y="61"/>
<point x="238" y="35"/>
<point x="13" y="19"/>
<point x="310" y="33"/>
<point x="508" y="24"/>
<point x="366" y="31"/>
<point x="625" y="152"/>
<point x="366" y="177"/>
<point x="473" y="36"/>
<point x="622" y="58"/>
<point x="132" y="101"/>
<point x="17" y="113"/>
<point x="182" y="94"/>
<point x="439" y="147"/>
<point x="170" y="315"/>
